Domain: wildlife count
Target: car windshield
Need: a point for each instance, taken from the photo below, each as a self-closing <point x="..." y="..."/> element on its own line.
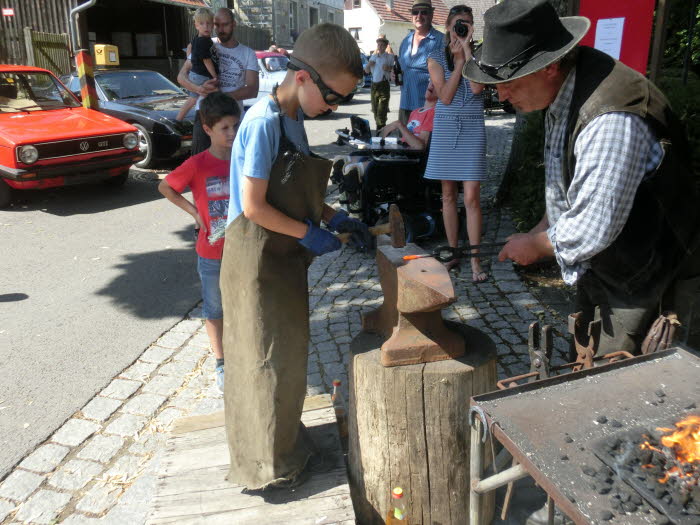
<point x="273" y="64"/>
<point x="135" y="84"/>
<point x="30" y="91"/>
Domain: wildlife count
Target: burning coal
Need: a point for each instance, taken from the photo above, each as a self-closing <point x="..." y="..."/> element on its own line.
<point x="663" y="466"/>
<point x="680" y="448"/>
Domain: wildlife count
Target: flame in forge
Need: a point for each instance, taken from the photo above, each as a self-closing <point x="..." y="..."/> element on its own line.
<point x="681" y="447"/>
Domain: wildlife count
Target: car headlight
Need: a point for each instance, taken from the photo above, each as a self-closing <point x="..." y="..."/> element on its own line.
<point x="28" y="154"/>
<point x="130" y="140"/>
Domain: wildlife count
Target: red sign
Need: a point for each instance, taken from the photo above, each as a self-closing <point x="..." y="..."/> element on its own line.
<point x="8" y="11"/>
<point x="621" y="27"/>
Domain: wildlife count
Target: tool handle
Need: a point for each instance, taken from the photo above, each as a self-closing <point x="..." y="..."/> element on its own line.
<point x="374" y="230"/>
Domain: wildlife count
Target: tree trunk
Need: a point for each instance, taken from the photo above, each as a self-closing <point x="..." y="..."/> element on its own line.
<point x="408" y="427"/>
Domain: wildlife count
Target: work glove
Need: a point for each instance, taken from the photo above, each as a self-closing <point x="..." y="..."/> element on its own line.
<point x="360" y="237"/>
<point x="319" y="241"/>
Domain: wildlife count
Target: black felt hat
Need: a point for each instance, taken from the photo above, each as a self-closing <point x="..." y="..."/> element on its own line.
<point x="521" y="37"/>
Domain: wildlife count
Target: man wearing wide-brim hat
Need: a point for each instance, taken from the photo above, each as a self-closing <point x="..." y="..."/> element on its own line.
<point x="620" y="206"/>
<point x="413" y="55"/>
<point x="380" y="64"/>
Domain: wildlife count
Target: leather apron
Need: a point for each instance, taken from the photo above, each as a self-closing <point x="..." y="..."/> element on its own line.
<point x="266" y="327"/>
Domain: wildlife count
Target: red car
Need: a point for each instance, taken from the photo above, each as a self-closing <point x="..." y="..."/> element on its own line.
<point x="48" y="139"/>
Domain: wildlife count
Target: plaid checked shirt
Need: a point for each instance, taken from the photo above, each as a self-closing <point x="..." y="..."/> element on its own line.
<point x="613" y="154"/>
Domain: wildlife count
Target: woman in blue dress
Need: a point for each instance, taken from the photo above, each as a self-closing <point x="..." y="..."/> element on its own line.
<point x="458" y="145"/>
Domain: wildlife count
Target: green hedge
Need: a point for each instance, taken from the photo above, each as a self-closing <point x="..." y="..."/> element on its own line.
<point x="685" y="101"/>
<point x="524" y="195"/>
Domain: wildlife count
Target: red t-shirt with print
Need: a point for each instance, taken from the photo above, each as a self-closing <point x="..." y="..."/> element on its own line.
<point x="420" y="120"/>
<point x="207" y="177"/>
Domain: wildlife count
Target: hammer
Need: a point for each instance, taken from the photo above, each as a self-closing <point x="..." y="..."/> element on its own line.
<point x="394" y="228"/>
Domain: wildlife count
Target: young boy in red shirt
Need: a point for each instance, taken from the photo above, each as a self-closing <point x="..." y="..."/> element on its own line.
<point x="207" y="175"/>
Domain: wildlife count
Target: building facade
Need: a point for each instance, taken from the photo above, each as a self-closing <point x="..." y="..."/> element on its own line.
<point x="286" y="19"/>
<point x="366" y="19"/>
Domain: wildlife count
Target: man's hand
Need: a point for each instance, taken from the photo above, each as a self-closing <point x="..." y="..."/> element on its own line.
<point x="526" y="248"/>
<point x="210" y="86"/>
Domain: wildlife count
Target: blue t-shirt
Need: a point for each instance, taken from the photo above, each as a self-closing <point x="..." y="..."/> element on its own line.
<point x="255" y="148"/>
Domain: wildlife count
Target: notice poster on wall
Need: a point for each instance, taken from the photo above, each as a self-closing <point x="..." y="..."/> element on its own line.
<point x="620" y="28"/>
<point x="608" y="36"/>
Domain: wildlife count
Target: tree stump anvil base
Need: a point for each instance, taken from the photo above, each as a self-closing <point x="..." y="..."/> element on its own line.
<point x="408" y="427"/>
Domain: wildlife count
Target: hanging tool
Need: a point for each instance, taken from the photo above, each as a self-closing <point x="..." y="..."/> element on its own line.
<point x="449" y="253"/>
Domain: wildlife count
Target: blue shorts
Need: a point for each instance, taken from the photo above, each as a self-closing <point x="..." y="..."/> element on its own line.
<point x="198" y="79"/>
<point x="209" y="271"/>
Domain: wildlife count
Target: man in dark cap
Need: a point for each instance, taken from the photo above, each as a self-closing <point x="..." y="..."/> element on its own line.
<point x="413" y="57"/>
<point x="620" y="202"/>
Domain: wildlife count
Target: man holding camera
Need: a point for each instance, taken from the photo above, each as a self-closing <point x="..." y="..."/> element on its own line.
<point x="380" y="65"/>
<point x="620" y="201"/>
<point x="414" y="51"/>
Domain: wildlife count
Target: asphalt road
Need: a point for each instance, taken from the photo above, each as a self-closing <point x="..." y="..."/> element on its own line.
<point x="90" y="276"/>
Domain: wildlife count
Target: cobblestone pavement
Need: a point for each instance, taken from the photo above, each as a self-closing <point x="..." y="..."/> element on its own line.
<point x="100" y="466"/>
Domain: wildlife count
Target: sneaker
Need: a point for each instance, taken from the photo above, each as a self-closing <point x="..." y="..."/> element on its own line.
<point x="219" y="373"/>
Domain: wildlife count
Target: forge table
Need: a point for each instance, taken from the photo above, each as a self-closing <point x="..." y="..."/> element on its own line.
<point x="549" y="427"/>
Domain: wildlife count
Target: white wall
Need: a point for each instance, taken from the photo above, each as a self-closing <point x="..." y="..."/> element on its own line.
<point x="365" y="18"/>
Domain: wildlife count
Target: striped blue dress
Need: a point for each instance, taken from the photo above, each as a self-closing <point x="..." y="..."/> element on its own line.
<point x="458" y="141"/>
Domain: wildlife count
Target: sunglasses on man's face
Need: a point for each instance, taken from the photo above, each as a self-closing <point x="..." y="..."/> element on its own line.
<point x="330" y="97"/>
<point x="459" y="10"/>
<point x="418" y="12"/>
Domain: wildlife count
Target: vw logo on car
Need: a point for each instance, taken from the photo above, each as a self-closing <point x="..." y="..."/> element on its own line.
<point x="84" y="145"/>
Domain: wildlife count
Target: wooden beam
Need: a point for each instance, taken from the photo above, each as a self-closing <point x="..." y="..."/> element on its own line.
<point x="657" y="47"/>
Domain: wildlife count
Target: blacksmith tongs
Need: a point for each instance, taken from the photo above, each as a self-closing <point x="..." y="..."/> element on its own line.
<point x="449" y="253"/>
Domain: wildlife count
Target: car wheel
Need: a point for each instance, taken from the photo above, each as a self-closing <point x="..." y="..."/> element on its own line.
<point x="5" y="194"/>
<point x="145" y="146"/>
<point x="118" y="180"/>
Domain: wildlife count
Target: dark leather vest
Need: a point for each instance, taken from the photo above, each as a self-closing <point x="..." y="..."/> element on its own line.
<point x="663" y="221"/>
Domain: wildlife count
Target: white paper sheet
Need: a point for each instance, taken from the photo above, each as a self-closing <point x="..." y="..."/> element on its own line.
<point x="608" y="36"/>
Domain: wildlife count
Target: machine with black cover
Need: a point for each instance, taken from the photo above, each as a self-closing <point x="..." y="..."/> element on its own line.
<point x="379" y="172"/>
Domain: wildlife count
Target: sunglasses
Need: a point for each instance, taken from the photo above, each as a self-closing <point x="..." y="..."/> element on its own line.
<point x="418" y="12"/>
<point x="460" y="9"/>
<point x="513" y="64"/>
<point x="330" y="97"/>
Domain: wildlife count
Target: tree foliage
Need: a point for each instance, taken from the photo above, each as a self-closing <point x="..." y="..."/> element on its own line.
<point x="677" y="36"/>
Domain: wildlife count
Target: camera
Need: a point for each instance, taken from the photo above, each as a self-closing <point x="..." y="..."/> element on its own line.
<point x="461" y="28"/>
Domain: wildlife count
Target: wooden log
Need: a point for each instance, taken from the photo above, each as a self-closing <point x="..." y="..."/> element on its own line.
<point x="408" y="427"/>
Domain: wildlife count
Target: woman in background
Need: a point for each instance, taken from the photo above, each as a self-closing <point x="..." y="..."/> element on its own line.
<point x="458" y="144"/>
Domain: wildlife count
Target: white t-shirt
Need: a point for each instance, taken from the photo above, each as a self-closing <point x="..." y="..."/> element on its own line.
<point x="232" y="63"/>
<point x="378" y="73"/>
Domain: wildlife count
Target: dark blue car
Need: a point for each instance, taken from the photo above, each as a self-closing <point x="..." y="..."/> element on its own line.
<point x="148" y="101"/>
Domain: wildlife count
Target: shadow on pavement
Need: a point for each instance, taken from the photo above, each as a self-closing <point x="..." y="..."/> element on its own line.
<point x="85" y="199"/>
<point x="157" y="284"/>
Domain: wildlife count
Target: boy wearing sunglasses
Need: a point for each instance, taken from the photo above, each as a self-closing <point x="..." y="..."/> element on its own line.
<point x="277" y="203"/>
